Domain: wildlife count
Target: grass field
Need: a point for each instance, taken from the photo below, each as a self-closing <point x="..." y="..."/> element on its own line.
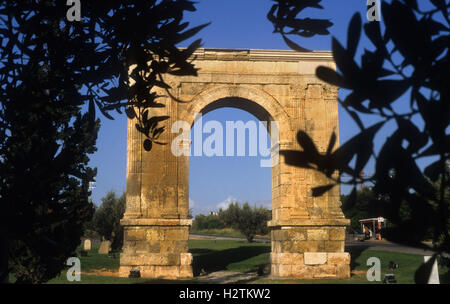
<point x="225" y="232"/>
<point x="239" y="256"/>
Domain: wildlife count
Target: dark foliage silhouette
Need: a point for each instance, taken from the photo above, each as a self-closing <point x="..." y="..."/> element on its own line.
<point x="410" y="57"/>
<point x="367" y="205"/>
<point x="44" y="176"/>
<point x="283" y="15"/>
<point x="52" y="69"/>
<point x="116" y="54"/>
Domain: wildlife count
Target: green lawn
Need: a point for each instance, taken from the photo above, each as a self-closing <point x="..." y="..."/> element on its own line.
<point x="408" y="263"/>
<point x="240" y="256"/>
<point x="228" y="255"/>
<point x="225" y="232"/>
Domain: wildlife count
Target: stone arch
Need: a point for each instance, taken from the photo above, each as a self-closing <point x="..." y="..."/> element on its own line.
<point x="256" y="102"/>
<point x="307" y="233"/>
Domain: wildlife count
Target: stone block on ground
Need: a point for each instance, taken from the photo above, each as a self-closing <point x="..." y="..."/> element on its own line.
<point x="87" y="245"/>
<point x="105" y="247"/>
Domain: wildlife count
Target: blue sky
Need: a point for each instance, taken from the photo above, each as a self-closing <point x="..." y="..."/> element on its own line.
<point x="215" y="181"/>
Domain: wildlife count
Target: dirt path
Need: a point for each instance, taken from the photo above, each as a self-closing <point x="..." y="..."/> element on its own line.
<point x="218" y="277"/>
<point x="226" y="277"/>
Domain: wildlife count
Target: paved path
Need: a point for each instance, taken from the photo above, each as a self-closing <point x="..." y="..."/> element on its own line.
<point x="193" y="236"/>
<point x="382" y="245"/>
<point x="387" y="246"/>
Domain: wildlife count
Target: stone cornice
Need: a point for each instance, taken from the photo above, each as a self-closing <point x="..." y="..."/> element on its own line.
<point x="261" y="55"/>
<point x="309" y="222"/>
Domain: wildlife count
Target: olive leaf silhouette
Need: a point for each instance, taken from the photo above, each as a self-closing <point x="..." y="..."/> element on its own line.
<point x="283" y="16"/>
<point x="409" y="64"/>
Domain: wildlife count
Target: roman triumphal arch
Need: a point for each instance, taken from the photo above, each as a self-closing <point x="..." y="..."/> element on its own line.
<point x="308" y="233"/>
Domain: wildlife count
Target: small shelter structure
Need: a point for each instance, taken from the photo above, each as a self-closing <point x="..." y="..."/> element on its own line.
<point x="372" y="227"/>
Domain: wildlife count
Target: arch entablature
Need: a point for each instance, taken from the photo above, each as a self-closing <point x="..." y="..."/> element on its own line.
<point x="265" y="106"/>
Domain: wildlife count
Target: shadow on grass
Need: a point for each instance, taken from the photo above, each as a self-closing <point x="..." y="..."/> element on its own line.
<point x="166" y="281"/>
<point x="445" y="277"/>
<point x="355" y="253"/>
<point x="219" y="260"/>
<point x="195" y="251"/>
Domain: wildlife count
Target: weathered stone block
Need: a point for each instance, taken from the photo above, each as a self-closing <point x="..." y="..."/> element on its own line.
<point x="135" y="234"/>
<point x="273" y="258"/>
<point x="173" y="259"/>
<point x="124" y="271"/>
<point x="297" y="234"/>
<point x="334" y="246"/>
<point x="284" y="270"/>
<point x="174" y="235"/>
<point x="343" y="271"/>
<point x="274" y="270"/>
<point x="170" y="272"/>
<point x="150" y="259"/>
<point x="315" y="258"/>
<point x="302" y="271"/>
<point x="129" y="248"/>
<point x="186" y="271"/>
<point x="337" y="234"/>
<point x="338" y="258"/>
<point x="280" y="235"/>
<point x="186" y="258"/>
<point x="154" y="235"/>
<point x="277" y="246"/>
<point x="153" y="246"/>
<point x="181" y="246"/>
<point x="317" y="234"/>
<point x="290" y="258"/>
<point x="308" y="246"/>
<point x="325" y="271"/>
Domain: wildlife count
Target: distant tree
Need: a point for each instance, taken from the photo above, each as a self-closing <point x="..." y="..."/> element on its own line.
<point x="203" y="222"/>
<point x="89" y="227"/>
<point x="230" y="215"/>
<point x="252" y="221"/>
<point x="106" y="220"/>
<point x="199" y="222"/>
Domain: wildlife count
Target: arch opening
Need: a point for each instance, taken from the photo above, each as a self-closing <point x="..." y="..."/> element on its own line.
<point x="215" y="183"/>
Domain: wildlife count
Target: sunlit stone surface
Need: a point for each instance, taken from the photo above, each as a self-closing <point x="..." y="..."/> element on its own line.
<point x="308" y="233"/>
